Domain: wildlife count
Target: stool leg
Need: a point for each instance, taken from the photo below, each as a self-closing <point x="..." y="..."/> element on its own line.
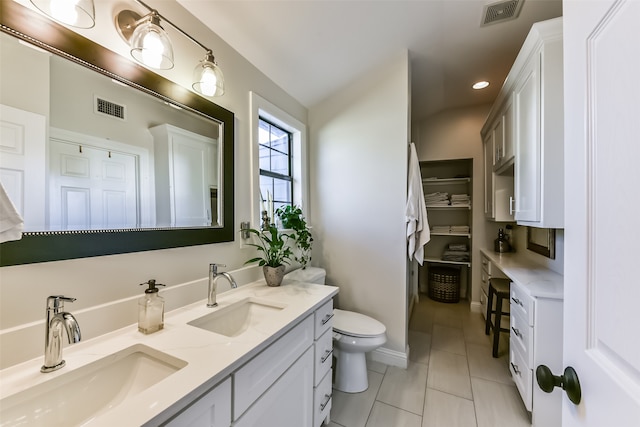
<point x="487" y="324"/>
<point x="496" y="327"/>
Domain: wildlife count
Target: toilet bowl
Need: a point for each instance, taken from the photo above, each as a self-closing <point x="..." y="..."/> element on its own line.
<point x="354" y="335"/>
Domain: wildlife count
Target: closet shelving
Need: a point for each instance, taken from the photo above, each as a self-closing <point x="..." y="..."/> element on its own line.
<point x="450" y="177"/>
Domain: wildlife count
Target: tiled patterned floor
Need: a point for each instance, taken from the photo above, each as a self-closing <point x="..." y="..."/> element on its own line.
<point x="452" y="379"/>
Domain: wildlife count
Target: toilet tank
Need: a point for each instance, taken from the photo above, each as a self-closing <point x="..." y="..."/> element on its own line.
<point x="315" y="275"/>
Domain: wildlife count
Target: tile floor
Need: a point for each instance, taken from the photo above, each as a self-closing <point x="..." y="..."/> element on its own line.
<point x="452" y="379"/>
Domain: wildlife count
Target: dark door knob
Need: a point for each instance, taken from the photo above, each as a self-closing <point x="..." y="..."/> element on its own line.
<point x="569" y="382"/>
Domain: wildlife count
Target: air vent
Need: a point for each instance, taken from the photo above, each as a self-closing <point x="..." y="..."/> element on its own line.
<point x="501" y="11"/>
<point x="111" y="109"/>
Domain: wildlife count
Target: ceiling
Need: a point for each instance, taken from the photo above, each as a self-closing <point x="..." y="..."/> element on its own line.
<point x="313" y="48"/>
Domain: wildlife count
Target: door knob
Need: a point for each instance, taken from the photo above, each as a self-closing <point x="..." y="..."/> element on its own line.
<point x="569" y="382"/>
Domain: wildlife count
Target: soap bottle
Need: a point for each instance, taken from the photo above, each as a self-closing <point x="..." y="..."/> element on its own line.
<point x="150" y="309"/>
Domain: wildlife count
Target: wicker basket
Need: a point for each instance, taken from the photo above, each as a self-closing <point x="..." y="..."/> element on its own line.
<point x="444" y="284"/>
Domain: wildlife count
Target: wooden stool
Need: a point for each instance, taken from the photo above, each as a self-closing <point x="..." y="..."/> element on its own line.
<point x="499" y="288"/>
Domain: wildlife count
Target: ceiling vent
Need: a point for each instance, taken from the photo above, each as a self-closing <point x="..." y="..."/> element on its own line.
<point x="501" y="11"/>
<point x="108" y="108"/>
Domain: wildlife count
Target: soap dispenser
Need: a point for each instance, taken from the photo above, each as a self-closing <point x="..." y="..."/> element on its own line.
<point x="150" y="309"/>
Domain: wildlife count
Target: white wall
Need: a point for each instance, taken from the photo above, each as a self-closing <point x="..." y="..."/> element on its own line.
<point x="359" y="145"/>
<point x="106" y="280"/>
<point x="455" y="134"/>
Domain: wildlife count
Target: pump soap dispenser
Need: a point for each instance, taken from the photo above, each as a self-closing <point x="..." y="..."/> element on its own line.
<point x="150" y="309"/>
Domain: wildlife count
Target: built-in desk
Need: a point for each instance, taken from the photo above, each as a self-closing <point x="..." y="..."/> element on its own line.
<point x="535" y="329"/>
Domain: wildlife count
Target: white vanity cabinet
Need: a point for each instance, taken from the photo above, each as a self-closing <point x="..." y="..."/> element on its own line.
<point x="186" y="177"/>
<point x="323" y="354"/>
<point x="487" y="271"/>
<point x="213" y="409"/>
<point x="536" y="339"/>
<point x="539" y="129"/>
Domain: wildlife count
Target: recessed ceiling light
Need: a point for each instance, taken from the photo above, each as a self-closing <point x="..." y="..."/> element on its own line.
<point x="480" y="85"/>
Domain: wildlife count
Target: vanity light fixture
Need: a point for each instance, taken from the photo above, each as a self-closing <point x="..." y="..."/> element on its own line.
<point x="149" y="42"/>
<point x="151" y="46"/>
<point x="75" y="13"/>
<point x="480" y="85"/>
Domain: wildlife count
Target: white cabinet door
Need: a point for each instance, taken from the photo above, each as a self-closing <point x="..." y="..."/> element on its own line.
<point x="527" y="161"/>
<point x="602" y="290"/>
<point x="508" y="121"/>
<point x="213" y="409"/>
<point x="488" y="176"/>
<point x="289" y="401"/>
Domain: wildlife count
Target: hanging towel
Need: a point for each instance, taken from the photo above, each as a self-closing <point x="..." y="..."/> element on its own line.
<point x="11" y="222"/>
<point x="418" y="233"/>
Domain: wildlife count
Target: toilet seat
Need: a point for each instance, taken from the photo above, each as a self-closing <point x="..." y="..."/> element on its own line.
<point x="356" y="324"/>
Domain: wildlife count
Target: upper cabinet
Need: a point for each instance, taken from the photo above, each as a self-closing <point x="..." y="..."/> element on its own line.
<point x="525" y="127"/>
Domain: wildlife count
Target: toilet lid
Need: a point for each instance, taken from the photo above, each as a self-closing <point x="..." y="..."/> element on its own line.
<point x="356" y="324"/>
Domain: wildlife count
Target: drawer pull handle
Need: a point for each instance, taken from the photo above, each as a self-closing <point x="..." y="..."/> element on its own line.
<point x="327" y="318"/>
<point x="326" y="402"/>
<point x="326" y="356"/>
<point x="515" y="369"/>
<point x="517" y="301"/>
<point x="517" y="332"/>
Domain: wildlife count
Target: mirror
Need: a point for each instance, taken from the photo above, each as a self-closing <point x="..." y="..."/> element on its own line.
<point x="156" y="203"/>
<point x="542" y="241"/>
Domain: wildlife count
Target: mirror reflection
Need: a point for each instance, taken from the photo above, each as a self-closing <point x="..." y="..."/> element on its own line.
<point x="99" y="154"/>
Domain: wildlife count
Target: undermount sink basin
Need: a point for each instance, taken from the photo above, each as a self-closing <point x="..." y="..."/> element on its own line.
<point x="238" y="317"/>
<point x="81" y="394"/>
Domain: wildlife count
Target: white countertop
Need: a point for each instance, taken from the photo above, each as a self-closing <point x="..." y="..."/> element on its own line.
<point x="537" y="280"/>
<point x="210" y="357"/>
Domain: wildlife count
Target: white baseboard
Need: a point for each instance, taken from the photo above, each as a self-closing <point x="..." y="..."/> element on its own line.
<point x="390" y="357"/>
<point x="476" y="307"/>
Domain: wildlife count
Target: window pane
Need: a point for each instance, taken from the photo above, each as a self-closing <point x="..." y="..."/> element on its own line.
<point x="282" y="190"/>
<point x="279" y="163"/>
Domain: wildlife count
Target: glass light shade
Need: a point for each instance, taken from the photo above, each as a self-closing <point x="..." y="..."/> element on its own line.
<point x="151" y="46"/>
<point x="208" y="78"/>
<point x="75" y="13"/>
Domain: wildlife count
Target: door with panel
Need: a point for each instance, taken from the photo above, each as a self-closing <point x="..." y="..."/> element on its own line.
<point x="602" y="288"/>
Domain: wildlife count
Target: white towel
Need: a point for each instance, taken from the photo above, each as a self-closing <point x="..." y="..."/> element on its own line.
<point x="11" y="222"/>
<point x="418" y="233"/>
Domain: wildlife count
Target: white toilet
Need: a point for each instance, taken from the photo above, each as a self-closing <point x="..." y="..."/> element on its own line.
<point x="354" y="334"/>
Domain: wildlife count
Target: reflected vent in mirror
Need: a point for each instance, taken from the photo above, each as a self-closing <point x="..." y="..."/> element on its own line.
<point x="108" y="108"/>
<point x="501" y="11"/>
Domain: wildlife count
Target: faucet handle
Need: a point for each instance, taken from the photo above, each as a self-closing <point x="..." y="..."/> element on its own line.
<point x="57" y="301"/>
<point x="213" y="267"/>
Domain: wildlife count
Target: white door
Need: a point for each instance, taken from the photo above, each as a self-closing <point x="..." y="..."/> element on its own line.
<point x="23" y="163"/>
<point x="602" y="175"/>
<point x="92" y="188"/>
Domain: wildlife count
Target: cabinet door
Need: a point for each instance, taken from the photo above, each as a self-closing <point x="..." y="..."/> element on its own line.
<point x="498" y="141"/>
<point x="213" y="409"/>
<point x="527" y="160"/>
<point x="508" y="126"/>
<point x="289" y="402"/>
<point x="488" y="176"/>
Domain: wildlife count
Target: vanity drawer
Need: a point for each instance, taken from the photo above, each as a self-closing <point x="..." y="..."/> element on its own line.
<point x="323" y="356"/>
<point x="484" y="282"/>
<point x="483" y="303"/>
<point x="522" y="376"/>
<point x="254" y="378"/>
<point x="486" y="264"/>
<point x="323" y="317"/>
<point x="522" y="303"/>
<point x="322" y="400"/>
<point x="521" y="335"/>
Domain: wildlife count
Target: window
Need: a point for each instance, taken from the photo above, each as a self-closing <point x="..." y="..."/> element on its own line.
<point x="275" y="148"/>
<point x="278" y="158"/>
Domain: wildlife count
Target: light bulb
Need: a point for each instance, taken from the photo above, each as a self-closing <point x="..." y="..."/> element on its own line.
<point x="208" y="82"/>
<point x="152" y="50"/>
<point x="64" y="10"/>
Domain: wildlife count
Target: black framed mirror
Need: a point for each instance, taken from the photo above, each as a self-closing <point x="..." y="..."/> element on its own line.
<point x="542" y="241"/>
<point x="61" y="244"/>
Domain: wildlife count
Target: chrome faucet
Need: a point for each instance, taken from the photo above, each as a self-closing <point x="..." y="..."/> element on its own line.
<point x="56" y="320"/>
<point x="213" y="283"/>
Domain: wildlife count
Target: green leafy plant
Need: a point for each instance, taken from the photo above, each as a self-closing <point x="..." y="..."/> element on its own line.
<point x="293" y="219"/>
<point x="274" y="247"/>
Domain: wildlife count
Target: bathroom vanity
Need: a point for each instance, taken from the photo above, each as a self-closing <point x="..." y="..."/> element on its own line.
<point x="535" y="338"/>
<point x="263" y="354"/>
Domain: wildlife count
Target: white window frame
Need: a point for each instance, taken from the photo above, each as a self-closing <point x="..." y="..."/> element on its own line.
<point x="260" y="107"/>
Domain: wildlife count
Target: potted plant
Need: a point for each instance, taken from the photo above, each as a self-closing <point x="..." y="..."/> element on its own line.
<point x="293" y="219"/>
<point x="275" y="252"/>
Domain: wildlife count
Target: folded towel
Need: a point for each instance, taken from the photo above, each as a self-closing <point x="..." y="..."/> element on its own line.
<point x="11" y="222"/>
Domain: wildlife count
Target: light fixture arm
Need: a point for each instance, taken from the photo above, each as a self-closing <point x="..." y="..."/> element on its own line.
<point x="153" y="11"/>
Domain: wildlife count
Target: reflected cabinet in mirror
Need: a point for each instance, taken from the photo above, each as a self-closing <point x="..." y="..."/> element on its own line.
<point x="101" y="156"/>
